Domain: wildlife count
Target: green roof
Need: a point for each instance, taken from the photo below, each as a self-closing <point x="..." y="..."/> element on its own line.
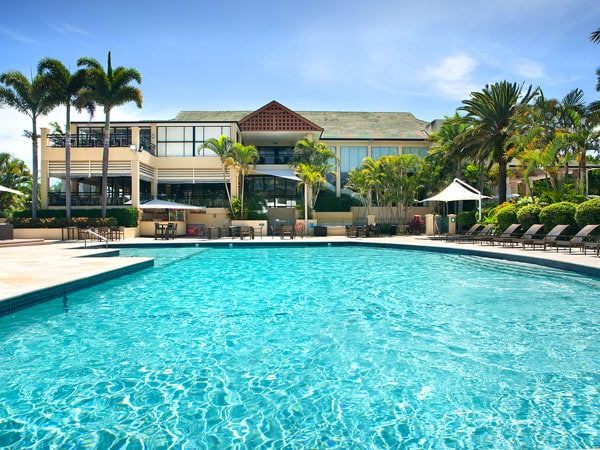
<point x="336" y="124"/>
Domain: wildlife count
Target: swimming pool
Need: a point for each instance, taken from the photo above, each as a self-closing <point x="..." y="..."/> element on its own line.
<point x="317" y="347"/>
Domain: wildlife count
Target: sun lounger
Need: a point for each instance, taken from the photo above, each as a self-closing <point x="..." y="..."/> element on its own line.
<point x="578" y="241"/>
<point x="470" y="232"/>
<point x="528" y="235"/>
<point x="551" y="236"/>
<point x="485" y="231"/>
<point x="506" y="234"/>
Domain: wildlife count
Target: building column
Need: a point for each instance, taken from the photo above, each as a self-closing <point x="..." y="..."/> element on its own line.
<point x="45" y="180"/>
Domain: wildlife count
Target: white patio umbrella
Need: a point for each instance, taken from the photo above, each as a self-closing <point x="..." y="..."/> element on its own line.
<point x="12" y="191"/>
<point x="458" y="190"/>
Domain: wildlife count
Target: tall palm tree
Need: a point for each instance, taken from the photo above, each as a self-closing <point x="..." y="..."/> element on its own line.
<point x="223" y="148"/>
<point x="448" y="145"/>
<point x="490" y="114"/>
<point x="65" y="88"/>
<point x="108" y="89"/>
<point x="310" y="177"/>
<point x="244" y="157"/>
<point x="32" y="98"/>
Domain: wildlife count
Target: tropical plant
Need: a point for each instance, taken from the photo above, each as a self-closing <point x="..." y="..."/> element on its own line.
<point x="14" y="174"/>
<point x="400" y="181"/>
<point x="528" y="215"/>
<point x="448" y="143"/>
<point x="222" y="147"/>
<point x="313" y="161"/>
<point x="108" y="89"/>
<point x="244" y="158"/>
<point x="65" y="87"/>
<point x="32" y="98"/>
<point x="588" y="212"/>
<point x="506" y="215"/>
<point x="490" y="115"/>
<point x="561" y="213"/>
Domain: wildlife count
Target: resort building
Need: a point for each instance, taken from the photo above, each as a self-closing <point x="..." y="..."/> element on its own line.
<point x="165" y="159"/>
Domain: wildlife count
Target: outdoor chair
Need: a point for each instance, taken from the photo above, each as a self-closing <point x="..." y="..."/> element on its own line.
<point x="287" y="230"/>
<point x="528" y="235"/>
<point x="506" y="234"/>
<point x="578" y="241"/>
<point x="351" y="231"/>
<point x="246" y="232"/>
<point x="485" y="231"/>
<point x="551" y="236"/>
<point x="171" y="231"/>
<point x="470" y="232"/>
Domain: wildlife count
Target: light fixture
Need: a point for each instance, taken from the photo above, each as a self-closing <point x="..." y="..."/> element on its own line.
<point x="132" y="148"/>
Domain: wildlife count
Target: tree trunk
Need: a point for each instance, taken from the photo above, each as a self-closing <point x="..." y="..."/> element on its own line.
<point x="34" y="181"/>
<point x="502" y="163"/>
<point x="105" y="156"/>
<point x="306" y="186"/>
<point x="68" y="163"/>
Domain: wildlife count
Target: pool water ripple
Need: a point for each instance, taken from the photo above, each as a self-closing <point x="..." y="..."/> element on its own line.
<point x="331" y="347"/>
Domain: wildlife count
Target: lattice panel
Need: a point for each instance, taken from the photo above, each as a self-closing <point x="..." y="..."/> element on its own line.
<point x="89" y="168"/>
<point x="275" y="117"/>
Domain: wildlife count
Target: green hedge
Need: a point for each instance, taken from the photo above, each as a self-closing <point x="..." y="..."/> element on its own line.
<point x="528" y="215"/>
<point x="506" y="215"/>
<point x="126" y="217"/>
<point x="588" y="212"/>
<point x="328" y="202"/>
<point x="562" y="213"/>
<point x="61" y="222"/>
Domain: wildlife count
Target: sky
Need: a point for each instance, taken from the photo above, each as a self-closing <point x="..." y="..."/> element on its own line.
<point x="421" y="57"/>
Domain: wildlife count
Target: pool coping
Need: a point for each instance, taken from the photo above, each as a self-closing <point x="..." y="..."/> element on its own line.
<point x="34" y="292"/>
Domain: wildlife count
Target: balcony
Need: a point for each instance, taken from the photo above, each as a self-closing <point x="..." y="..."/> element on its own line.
<point x="89" y="141"/>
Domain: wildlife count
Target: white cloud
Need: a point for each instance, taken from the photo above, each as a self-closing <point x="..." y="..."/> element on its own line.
<point x="528" y="69"/>
<point x="15" y="36"/>
<point x="66" y="28"/>
<point x="453" y="76"/>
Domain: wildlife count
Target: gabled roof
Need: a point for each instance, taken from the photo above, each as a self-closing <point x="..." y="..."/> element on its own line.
<point x="276" y="117"/>
<point x="335" y="124"/>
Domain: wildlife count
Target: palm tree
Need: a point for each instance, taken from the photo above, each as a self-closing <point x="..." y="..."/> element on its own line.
<point x="448" y="143"/>
<point x="244" y="157"/>
<point x="65" y="88"/>
<point x="30" y="97"/>
<point x="14" y="174"/>
<point x="490" y="114"/>
<point x="223" y="148"/>
<point x="317" y="160"/>
<point x="108" y="89"/>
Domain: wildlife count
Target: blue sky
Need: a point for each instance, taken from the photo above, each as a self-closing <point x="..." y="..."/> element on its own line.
<point x="382" y="55"/>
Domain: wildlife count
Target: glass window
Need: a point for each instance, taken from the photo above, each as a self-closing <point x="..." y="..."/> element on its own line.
<point x="420" y="151"/>
<point x="378" y="152"/>
<point x="212" y="133"/>
<point x="351" y="157"/>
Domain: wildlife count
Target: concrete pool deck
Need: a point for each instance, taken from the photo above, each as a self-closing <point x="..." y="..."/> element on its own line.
<point x="39" y="271"/>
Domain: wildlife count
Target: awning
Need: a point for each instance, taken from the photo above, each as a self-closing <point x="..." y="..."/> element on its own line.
<point x="163" y="204"/>
<point x="458" y="190"/>
<point x="279" y="173"/>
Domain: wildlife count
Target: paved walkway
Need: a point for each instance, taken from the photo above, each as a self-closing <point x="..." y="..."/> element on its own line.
<point x="43" y="270"/>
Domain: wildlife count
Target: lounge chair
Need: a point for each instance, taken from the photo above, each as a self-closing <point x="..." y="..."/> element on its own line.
<point x="579" y="240"/>
<point x="485" y="231"/>
<point x="551" y="236"/>
<point x="470" y="232"/>
<point x="506" y="234"/>
<point x="528" y="235"/>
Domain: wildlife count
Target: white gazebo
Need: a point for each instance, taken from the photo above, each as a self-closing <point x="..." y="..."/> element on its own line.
<point x="458" y="190"/>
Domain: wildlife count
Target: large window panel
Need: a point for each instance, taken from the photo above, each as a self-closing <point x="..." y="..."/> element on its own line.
<point x="351" y="157"/>
<point x="212" y="133"/>
<point x="378" y="152"/>
<point x="420" y="151"/>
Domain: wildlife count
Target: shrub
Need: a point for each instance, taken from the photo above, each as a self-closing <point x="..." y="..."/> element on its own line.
<point x="466" y="219"/>
<point x="528" y="215"/>
<point x="506" y="214"/>
<point x="557" y="214"/>
<point x="588" y="212"/>
<point x="127" y="217"/>
<point x="328" y="202"/>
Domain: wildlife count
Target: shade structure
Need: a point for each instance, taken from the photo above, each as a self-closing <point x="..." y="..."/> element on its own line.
<point x="164" y="204"/>
<point x="458" y="190"/>
<point x="12" y="191"/>
<point x="279" y="173"/>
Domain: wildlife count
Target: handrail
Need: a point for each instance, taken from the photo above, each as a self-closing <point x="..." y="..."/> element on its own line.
<point x="100" y="237"/>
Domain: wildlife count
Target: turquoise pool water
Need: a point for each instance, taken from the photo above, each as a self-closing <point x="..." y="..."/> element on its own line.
<point x="321" y="347"/>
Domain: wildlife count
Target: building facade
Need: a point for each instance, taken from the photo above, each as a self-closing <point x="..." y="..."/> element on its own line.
<point x="165" y="159"/>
